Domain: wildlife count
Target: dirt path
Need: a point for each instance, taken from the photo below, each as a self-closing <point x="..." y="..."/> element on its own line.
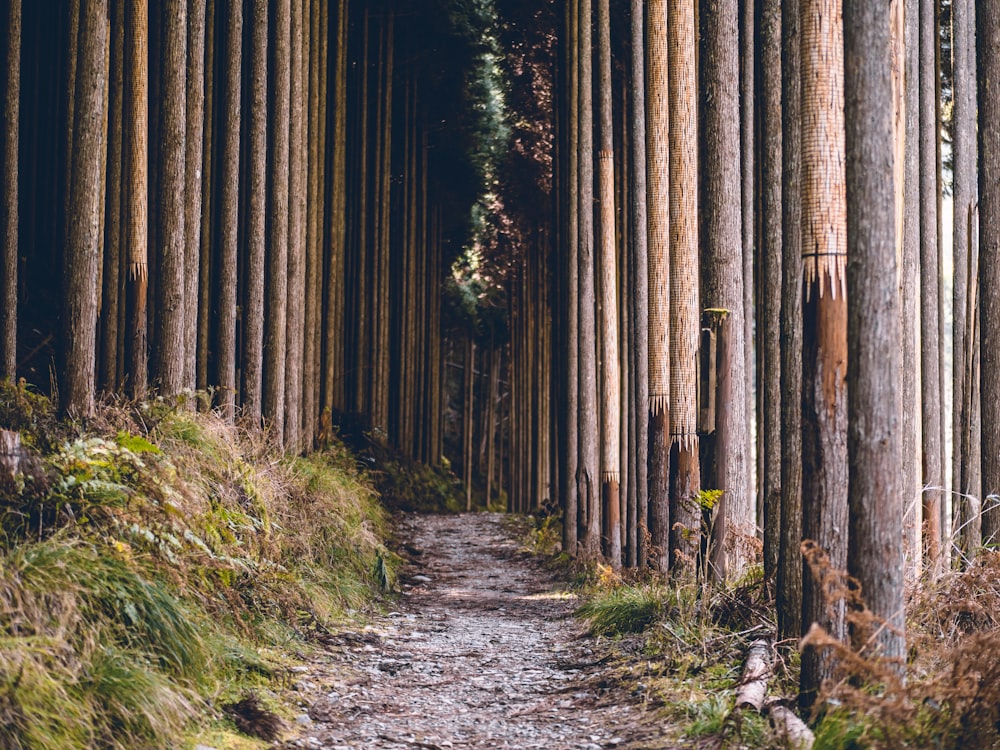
<point x="483" y="652"/>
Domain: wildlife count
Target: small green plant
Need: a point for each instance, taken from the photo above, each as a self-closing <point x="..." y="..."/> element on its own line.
<point x="623" y="609"/>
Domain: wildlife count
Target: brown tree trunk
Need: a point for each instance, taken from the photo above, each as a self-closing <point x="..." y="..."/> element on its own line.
<point x="930" y="349"/>
<point x="988" y="70"/>
<point x="109" y="366"/>
<point x="685" y="312"/>
<point x="824" y="388"/>
<point x="789" y="594"/>
<point x="658" y="203"/>
<point x="295" y="318"/>
<point x="194" y="165"/>
<point x="9" y="205"/>
<point x="82" y="242"/>
<point x="168" y="371"/>
<point x="769" y="326"/>
<point x="136" y="108"/>
<point x="209" y="222"/>
<point x="723" y="277"/>
<point x="875" y="539"/>
<point x="253" y="313"/>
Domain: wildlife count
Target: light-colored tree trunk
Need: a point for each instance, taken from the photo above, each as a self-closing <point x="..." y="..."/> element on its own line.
<point x="194" y="164"/>
<point x="295" y="318"/>
<point x="824" y="255"/>
<point x="9" y="205"/>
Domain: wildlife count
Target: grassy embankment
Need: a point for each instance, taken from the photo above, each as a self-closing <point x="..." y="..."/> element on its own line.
<point x="157" y="565"/>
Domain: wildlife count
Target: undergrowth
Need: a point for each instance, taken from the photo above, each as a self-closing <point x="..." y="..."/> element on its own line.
<point x="153" y="565"/>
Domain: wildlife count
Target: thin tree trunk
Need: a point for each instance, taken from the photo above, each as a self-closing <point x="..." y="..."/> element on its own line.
<point x="277" y="263"/>
<point x="824" y="388"/>
<point x="253" y="314"/>
<point x="209" y="222"/>
<point x="470" y="353"/>
<point x="136" y="190"/>
<point x="724" y="273"/>
<point x="80" y="264"/>
<point x="988" y="73"/>
<point x="295" y="318"/>
<point x="9" y="206"/>
<point x="685" y="314"/>
<point x="930" y="355"/>
<point x="789" y="594"/>
<point x="169" y="362"/>
<point x="194" y="164"/>
<point x="769" y="326"/>
<point x="111" y="302"/>
<point x="875" y="539"/>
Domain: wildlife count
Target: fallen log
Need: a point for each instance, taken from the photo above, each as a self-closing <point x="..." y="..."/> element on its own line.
<point x="794" y="733"/>
<point x="753" y="685"/>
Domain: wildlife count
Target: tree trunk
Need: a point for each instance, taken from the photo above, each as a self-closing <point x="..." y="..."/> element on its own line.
<point x="685" y="312"/>
<point x="110" y="356"/>
<point x="295" y="318"/>
<point x="639" y="292"/>
<point x="824" y="250"/>
<point x="875" y="539"/>
<point x="723" y="278"/>
<point x="82" y="242"/>
<point x="930" y="350"/>
<point x="277" y="263"/>
<point x="136" y="108"/>
<point x="253" y="313"/>
<point x="658" y="205"/>
<point x="169" y="362"/>
<point x="610" y="371"/>
<point x="9" y="206"/>
<point x="789" y="594"/>
<point x="988" y="72"/>
<point x="194" y="161"/>
<point x="769" y="326"/>
<point x="588" y="462"/>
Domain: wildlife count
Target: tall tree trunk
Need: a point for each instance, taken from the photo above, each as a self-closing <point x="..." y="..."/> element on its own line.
<point x="588" y="462"/>
<point x="570" y="433"/>
<point x="639" y="291"/>
<point x="988" y="74"/>
<point x="109" y="365"/>
<point x="930" y="353"/>
<point x="789" y="594"/>
<point x="82" y="242"/>
<point x="824" y="250"/>
<point x="277" y="263"/>
<point x="723" y="277"/>
<point x="610" y="371"/>
<point x="253" y="314"/>
<point x="209" y="222"/>
<point x="909" y="290"/>
<point x="194" y="164"/>
<point x="9" y="205"/>
<point x="769" y="326"/>
<point x="685" y="316"/>
<point x="295" y="318"/>
<point x="745" y="61"/>
<point x="169" y="362"/>
<point x="875" y="539"/>
<point x="136" y="108"/>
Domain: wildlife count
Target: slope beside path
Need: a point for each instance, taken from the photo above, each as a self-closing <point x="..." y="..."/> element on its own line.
<point x="481" y="652"/>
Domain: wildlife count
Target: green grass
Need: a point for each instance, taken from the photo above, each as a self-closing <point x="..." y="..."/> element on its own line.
<point x="623" y="609"/>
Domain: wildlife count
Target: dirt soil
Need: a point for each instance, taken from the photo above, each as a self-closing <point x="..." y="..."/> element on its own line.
<point x="482" y="651"/>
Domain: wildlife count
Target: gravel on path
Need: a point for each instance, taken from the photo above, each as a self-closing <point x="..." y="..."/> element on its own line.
<point x="482" y="651"/>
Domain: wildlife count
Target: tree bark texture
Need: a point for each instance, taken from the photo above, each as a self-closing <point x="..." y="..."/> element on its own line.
<point x="9" y="204"/>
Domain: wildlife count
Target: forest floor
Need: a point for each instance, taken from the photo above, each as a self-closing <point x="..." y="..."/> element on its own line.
<point x="481" y="651"/>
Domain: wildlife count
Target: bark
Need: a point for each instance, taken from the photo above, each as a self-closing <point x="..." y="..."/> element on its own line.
<point x="746" y="57"/>
<point x="910" y="290"/>
<point x="658" y="239"/>
<point x="194" y="164"/>
<point x="639" y="290"/>
<point x="253" y="313"/>
<point x="610" y="370"/>
<point x="136" y="108"/>
<point x="82" y="241"/>
<point x="569" y="444"/>
<point x="314" y="198"/>
<point x="588" y="461"/>
<point x="757" y="671"/>
<point x="685" y="314"/>
<point x="109" y="367"/>
<point x="930" y="346"/>
<point x="9" y="205"/>
<point x="824" y="248"/>
<point x="278" y="234"/>
<point x="769" y="326"/>
<point x="724" y="273"/>
<point x="988" y="73"/>
<point x="229" y="170"/>
<point x="169" y="361"/>
<point x="789" y="594"/>
<point x="209" y="221"/>
<point x="295" y="319"/>
<point x="875" y="538"/>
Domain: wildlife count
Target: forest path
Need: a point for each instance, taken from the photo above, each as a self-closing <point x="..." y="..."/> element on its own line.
<point x="482" y="652"/>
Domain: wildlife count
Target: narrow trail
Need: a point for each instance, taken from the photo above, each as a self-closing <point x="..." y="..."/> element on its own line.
<point x="482" y="652"/>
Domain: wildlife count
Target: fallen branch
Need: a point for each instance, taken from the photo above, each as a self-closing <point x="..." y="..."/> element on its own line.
<point x="793" y="731"/>
<point x="753" y="686"/>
